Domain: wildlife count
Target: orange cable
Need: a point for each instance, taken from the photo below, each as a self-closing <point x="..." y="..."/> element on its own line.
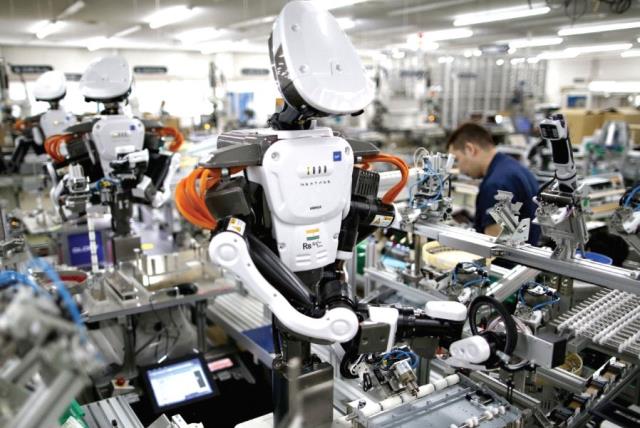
<point x="392" y="193"/>
<point x="178" y="138"/>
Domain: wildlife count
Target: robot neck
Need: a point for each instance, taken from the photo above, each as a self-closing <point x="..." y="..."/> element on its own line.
<point x="111" y="109"/>
<point x="289" y="119"/>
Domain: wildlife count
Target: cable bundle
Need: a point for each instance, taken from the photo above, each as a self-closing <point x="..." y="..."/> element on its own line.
<point x="53" y="144"/>
<point x="392" y="193"/>
<point x="177" y="136"/>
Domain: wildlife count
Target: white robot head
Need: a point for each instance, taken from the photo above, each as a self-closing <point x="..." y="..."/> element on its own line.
<point x="316" y="67"/>
<point x="107" y="79"/>
<point x="50" y="86"/>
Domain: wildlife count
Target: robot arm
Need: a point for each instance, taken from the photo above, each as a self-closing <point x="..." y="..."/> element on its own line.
<point x="554" y="129"/>
<point x="230" y="250"/>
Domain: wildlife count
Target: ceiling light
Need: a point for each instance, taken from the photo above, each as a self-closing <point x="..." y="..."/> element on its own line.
<point x="46" y="28"/>
<point x="533" y="60"/>
<point x="230" y="46"/>
<point x="74" y="8"/>
<point x="564" y="54"/>
<point x="337" y="4"/>
<point x="467" y="54"/>
<point x="630" y="53"/>
<point x="445" y="60"/>
<point x="511" y="51"/>
<point x="427" y="7"/>
<point x="600" y="28"/>
<point x="515" y="61"/>
<point x="252" y="22"/>
<point x="477" y="52"/>
<point x="534" y="42"/>
<point x="600" y="48"/>
<point x="95" y="43"/>
<point x="346" y="23"/>
<point x="612" y="86"/>
<point x="397" y="54"/>
<point x="197" y="35"/>
<point x="499" y="62"/>
<point x="127" y="31"/>
<point x="448" y="34"/>
<point x="170" y="15"/>
<point x="503" y="14"/>
<point x="416" y="41"/>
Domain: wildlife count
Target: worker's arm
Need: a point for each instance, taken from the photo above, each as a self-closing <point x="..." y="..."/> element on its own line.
<point x="493" y="229"/>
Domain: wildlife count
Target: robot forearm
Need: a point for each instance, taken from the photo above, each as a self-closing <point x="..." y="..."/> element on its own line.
<point x="229" y="250"/>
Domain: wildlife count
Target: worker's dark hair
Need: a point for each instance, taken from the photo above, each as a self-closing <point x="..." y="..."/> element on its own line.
<point x="470" y="133"/>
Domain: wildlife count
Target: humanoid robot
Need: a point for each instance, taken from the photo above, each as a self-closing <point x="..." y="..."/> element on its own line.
<point x="288" y="203"/>
<point x="112" y="159"/>
<point x="51" y="87"/>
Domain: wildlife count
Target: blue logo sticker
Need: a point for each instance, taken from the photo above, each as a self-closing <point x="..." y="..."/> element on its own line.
<point x="132" y="127"/>
<point x="337" y="156"/>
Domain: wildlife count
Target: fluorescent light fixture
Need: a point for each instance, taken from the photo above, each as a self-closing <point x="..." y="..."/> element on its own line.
<point x="564" y="54"/>
<point x="95" y="43"/>
<point x="448" y="34"/>
<point x="337" y="4"/>
<point x="416" y="41"/>
<point x="397" y="54"/>
<point x="427" y="7"/>
<point x="74" y="8"/>
<point x="253" y="22"/>
<point x="630" y="53"/>
<point x="445" y="60"/>
<point x="599" y="28"/>
<point x="46" y="28"/>
<point x="468" y="54"/>
<point x="534" y="42"/>
<point x="127" y="31"/>
<point x="477" y="52"/>
<point x="613" y="86"/>
<point x="503" y="14"/>
<point x="533" y="60"/>
<point x="600" y="48"/>
<point x="170" y="15"/>
<point x="220" y="46"/>
<point x="511" y="51"/>
<point x="197" y="35"/>
<point x="515" y="61"/>
<point x="346" y="23"/>
<point x="499" y="62"/>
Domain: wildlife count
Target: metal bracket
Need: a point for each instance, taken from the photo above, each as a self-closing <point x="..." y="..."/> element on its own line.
<point x="505" y="213"/>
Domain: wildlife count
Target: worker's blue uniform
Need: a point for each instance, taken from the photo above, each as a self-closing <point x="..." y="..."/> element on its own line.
<point x="506" y="173"/>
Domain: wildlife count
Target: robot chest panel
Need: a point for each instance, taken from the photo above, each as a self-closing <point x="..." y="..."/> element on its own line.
<point x="55" y="122"/>
<point x="307" y="179"/>
<point x="113" y="135"/>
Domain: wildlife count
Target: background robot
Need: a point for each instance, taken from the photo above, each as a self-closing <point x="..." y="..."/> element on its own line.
<point x="51" y="87"/>
<point x="112" y="159"/>
<point x="288" y="205"/>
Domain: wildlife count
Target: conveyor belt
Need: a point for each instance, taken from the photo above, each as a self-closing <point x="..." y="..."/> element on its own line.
<point x="609" y="318"/>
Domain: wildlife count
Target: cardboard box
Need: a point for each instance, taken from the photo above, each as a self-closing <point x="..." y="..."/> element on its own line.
<point x="629" y="115"/>
<point x="582" y="123"/>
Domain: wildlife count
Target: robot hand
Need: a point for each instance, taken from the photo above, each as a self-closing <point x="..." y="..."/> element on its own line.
<point x="71" y="194"/>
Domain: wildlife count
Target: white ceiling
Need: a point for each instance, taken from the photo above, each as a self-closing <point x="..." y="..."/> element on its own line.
<point x="378" y="23"/>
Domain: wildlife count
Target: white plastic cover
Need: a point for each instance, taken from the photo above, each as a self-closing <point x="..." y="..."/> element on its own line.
<point x="313" y="52"/>
<point x="50" y="86"/>
<point x="445" y="310"/>
<point x="106" y="78"/>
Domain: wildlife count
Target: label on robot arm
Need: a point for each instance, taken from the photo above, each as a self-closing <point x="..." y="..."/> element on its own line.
<point x="382" y="220"/>
<point x="236" y="225"/>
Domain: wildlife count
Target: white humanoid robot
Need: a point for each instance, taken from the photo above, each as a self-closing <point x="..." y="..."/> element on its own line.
<point x="112" y="159"/>
<point x="287" y="205"/>
<point x="51" y="87"/>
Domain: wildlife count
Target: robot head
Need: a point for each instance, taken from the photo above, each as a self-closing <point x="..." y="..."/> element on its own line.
<point x="316" y="67"/>
<point x="50" y="87"/>
<point x="107" y="79"/>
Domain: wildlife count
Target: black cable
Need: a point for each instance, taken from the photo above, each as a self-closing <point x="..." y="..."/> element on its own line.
<point x="511" y="331"/>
